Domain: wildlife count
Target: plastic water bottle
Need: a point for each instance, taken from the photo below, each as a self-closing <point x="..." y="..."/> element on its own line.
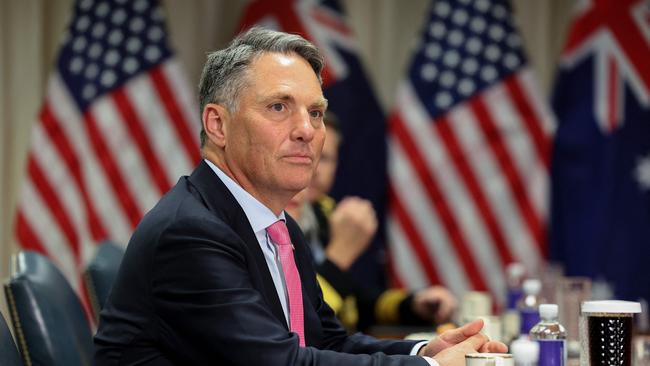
<point x="551" y="336"/>
<point x="528" y="305"/>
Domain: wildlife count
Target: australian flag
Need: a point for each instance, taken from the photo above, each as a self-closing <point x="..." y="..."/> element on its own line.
<point x="362" y="154"/>
<point x="601" y="160"/>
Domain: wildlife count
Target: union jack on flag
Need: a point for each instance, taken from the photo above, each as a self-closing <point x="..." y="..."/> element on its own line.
<point x="468" y="154"/>
<point x="601" y="158"/>
<point x="362" y="154"/>
<point x="117" y="128"/>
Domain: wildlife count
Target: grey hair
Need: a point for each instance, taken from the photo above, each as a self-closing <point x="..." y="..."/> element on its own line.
<point x="224" y="73"/>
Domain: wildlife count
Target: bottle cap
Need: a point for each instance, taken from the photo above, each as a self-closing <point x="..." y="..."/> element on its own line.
<point x="532" y="286"/>
<point x="524" y="351"/>
<point x="548" y="311"/>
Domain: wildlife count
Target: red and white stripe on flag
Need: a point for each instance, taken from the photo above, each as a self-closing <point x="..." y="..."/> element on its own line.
<point x="117" y="128"/>
<point x="468" y="155"/>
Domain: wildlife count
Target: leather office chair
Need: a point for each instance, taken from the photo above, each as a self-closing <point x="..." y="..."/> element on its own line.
<point x="100" y="274"/>
<point x="8" y="352"/>
<point x="48" y="317"/>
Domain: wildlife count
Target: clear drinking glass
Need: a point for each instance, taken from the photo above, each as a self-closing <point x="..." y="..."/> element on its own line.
<point x="571" y="292"/>
<point x="641" y="345"/>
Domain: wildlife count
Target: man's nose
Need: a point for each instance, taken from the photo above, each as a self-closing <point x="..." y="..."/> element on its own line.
<point x="303" y="128"/>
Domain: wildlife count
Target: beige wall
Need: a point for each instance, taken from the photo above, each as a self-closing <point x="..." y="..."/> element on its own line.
<point x="386" y="31"/>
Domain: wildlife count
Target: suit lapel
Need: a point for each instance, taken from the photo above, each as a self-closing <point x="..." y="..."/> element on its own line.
<point x="300" y="253"/>
<point x="219" y="200"/>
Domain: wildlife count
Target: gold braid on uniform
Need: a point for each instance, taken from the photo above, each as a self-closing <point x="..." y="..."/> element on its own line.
<point x="388" y="305"/>
<point x="345" y="308"/>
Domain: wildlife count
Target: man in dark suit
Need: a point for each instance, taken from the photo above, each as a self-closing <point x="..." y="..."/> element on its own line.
<point x="216" y="273"/>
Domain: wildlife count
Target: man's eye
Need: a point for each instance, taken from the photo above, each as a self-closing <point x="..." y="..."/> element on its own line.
<point x="278" y="107"/>
<point x="316" y="114"/>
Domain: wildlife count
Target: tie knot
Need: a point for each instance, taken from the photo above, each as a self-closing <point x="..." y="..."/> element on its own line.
<point x="279" y="233"/>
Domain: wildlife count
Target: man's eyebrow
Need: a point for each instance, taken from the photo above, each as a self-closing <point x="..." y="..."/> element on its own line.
<point x="321" y="104"/>
<point x="276" y="96"/>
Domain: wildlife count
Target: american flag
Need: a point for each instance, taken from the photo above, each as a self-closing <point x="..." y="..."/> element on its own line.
<point x="117" y="127"/>
<point x="468" y="153"/>
<point x="362" y="154"/>
<point x="601" y="159"/>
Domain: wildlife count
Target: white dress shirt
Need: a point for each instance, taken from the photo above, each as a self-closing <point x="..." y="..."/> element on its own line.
<point x="260" y="217"/>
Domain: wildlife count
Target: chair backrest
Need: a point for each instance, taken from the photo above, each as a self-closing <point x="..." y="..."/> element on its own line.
<point x="48" y="317"/>
<point x="8" y="352"/>
<point x="100" y="274"/>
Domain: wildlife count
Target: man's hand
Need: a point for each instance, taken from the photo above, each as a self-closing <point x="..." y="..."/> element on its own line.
<point x="434" y="303"/>
<point x="450" y="348"/>
<point x="455" y="355"/>
<point x="352" y="224"/>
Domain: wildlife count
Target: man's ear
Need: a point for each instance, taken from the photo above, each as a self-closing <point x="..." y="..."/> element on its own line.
<point x="214" y="118"/>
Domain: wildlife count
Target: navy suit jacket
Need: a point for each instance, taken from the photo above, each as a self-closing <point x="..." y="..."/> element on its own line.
<point x="194" y="289"/>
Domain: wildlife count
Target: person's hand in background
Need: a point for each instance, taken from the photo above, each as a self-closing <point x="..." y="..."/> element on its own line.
<point x="352" y="225"/>
<point x="435" y="303"/>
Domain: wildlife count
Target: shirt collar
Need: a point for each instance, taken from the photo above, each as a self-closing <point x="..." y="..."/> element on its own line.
<point x="259" y="216"/>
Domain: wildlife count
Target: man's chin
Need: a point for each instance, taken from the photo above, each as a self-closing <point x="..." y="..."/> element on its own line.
<point x="296" y="185"/>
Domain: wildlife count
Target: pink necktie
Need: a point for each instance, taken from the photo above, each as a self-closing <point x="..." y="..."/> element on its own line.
<point x="280" y="236"/>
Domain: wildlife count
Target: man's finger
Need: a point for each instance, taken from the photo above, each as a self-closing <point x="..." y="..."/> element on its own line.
<point x="477" y="341"/>
<point x="494" y="347"/>
<point x="460" y="334"/>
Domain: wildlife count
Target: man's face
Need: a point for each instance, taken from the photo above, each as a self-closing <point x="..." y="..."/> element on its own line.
<point x="274" y="139"/>
<point x="326" y="170"/>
